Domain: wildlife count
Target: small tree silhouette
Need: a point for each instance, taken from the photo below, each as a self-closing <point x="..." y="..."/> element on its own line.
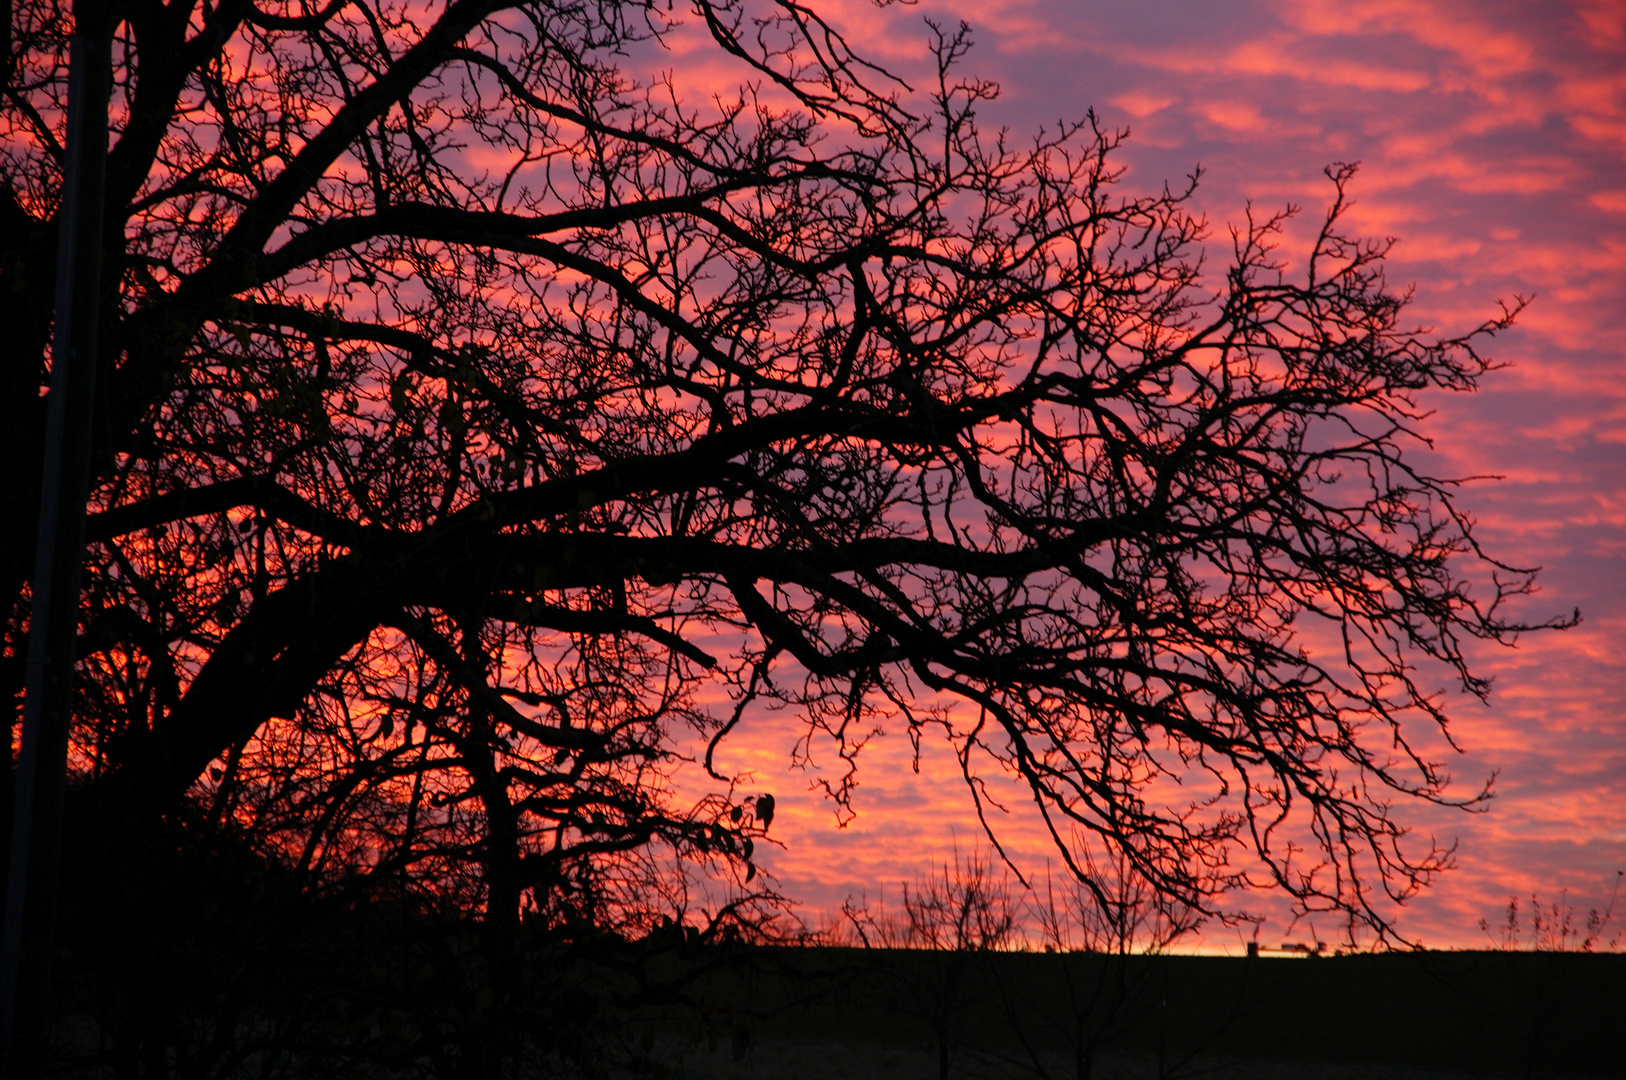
<point x="935" y="966"/>
<point x="1098" y="934"/>
<point x="1553" y="927"/>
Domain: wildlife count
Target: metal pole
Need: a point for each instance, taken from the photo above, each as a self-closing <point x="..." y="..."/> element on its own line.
<point x="36" y="840"/>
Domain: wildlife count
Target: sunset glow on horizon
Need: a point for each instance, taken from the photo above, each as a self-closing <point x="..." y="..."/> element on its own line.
<point x="1492" y="146"/>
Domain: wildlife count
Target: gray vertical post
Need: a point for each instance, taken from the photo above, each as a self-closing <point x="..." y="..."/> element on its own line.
<point x="31" y="892"/>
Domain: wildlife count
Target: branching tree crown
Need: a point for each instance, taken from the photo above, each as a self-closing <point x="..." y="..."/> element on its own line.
<point x="470" y="403"/>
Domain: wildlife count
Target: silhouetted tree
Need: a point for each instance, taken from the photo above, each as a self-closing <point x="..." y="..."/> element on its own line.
<point x="1102" y="979"/>
<point x="936" y="971"/>
<point x="483" y="424"/>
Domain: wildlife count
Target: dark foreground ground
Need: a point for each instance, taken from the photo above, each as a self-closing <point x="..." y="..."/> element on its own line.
<point x="902" y="1016"/>
<point x="680" y="1010"/>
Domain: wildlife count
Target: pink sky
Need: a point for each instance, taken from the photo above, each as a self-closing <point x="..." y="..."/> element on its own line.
<point x="1492" y="138"/>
